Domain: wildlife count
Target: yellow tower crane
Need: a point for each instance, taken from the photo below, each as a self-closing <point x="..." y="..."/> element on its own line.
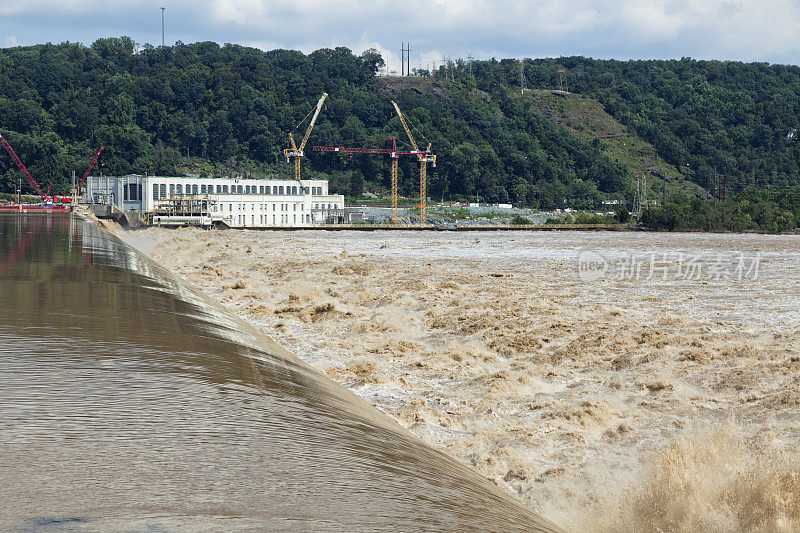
<point x="424" y="157"/>
<point x="296" y="152"/>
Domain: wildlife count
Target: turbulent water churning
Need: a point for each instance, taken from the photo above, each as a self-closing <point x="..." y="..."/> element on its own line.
<point x="562" y="391"/>
<point x="712" y="480"/>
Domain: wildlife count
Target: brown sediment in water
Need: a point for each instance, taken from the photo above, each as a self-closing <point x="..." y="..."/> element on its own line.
<point x="590" y="403"/>
<point x="710" y="480"/>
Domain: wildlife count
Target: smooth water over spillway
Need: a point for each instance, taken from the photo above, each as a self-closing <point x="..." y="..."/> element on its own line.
<point x="128" y="402"/>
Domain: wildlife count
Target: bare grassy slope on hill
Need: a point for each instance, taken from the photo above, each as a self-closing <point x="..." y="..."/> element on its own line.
<point x="586" y="118"/>
<point x="582" y="116"/>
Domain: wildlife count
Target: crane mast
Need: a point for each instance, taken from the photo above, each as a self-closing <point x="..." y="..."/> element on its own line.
<point x="424" y="158"/>
<point x="392" y="152"/>
<point x="296" y="152"/>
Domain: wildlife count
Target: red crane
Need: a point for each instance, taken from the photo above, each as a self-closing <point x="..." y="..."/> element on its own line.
<point x="392" y="152"/>
<point x="31" y="181"/>
<point x="91" y="166"/>
<point x="353" y="148"/>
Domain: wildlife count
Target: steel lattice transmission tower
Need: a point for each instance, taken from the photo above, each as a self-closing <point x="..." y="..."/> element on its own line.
<point x="562" y="80"/>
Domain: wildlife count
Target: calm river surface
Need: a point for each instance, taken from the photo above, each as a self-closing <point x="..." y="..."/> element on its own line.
<point x="131" y="403"/>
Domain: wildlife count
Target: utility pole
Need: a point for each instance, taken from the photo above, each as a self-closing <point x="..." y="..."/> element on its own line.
<point x="644" y="189"/>
<point x="163" y="35"/>
<point x="521" y="76"/>
<point x="469" y="62"/>
<point x="719" y="184"/>
<point x="715" y="188"/>
<point x="405" y="59"/>
<point x="640" y="199"/>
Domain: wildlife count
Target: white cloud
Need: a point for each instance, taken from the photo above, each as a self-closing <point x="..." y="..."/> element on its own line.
<point x="724" y="29"/>
<point x="10" y="41"/>
<point x="32" y="7"/>
<point x="652" y="20"/>
<point x="242" y="12"/>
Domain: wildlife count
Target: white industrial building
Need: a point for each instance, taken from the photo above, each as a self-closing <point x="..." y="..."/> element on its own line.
<point x="234" y="202"/>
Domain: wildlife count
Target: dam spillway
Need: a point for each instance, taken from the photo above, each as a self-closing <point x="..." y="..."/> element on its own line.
<point x="131" y="402"/>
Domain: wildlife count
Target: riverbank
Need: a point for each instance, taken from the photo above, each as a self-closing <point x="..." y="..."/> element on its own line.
<point x="591" y="402"/>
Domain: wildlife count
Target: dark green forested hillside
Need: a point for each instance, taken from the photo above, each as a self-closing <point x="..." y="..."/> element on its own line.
<point x="228" y="109"/>
<point x="216" y="109"/>
<point x="704" y="117"/>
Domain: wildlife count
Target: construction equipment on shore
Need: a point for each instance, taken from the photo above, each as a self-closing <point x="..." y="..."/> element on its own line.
<point x="91" y="166"/>
<point x="394" y="153"/>
<point x="85" y="175"/>
<point x="45" y="196"/>
<point x="21" y="166"/>
<point x="296" y="152"/>
<point x="424" y="157"/>
<point x="184" y="210"/>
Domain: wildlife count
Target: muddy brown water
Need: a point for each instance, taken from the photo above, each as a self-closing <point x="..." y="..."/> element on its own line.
<point x="129" y="402"/>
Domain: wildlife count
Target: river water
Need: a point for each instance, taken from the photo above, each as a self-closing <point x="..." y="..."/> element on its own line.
<point x="131" y="403"/>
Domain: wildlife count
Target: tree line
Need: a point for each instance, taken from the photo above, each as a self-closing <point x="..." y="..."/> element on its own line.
<point x="766" y="210"/>
<point x="228" y="110"/>
<point x="707" y="118"/>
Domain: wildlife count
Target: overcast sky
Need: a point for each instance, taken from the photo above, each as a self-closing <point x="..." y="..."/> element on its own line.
<point x="749" y="30"/>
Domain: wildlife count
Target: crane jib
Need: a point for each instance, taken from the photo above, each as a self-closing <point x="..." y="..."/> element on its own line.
<point x="313" y="121"/>
<point x="28" y="177"/>
<point x="296" y="152"/>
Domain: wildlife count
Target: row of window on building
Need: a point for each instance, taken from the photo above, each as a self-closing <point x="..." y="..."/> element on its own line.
<point x="265" y="207"/>
<point x="264" y="219"/>
<point x="261" y="207"/>
<point x="160" y="190"/>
